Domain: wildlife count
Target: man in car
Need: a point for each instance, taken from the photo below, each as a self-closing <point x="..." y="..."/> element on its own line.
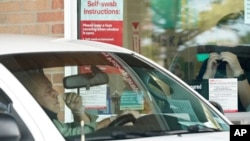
<point x="41" y="89"/>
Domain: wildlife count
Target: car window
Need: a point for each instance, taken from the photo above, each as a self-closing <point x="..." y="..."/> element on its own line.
<point x="4" y="102"/>
<point x="7" y="108"/>
<point x="109" y="85"/>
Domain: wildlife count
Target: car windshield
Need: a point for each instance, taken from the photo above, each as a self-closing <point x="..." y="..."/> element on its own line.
<point x="111" y="83"/>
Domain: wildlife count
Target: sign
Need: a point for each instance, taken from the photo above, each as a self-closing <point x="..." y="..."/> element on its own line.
<point x="136" y="37"/>
<point x="224" y="91"/>
<point x="247" y="11"/>
<point x="95" y="97"/>
<point x="102" y="21"/>
<point x="131" y="100"/>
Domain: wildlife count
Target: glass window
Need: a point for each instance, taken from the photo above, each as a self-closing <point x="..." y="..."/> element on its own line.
<point x="110" y="85"/>
<point x="184" y="34"/>
<point x="8" y="111"/>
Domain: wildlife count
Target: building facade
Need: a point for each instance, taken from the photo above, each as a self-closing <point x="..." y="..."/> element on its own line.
<point x="35" y="17"/>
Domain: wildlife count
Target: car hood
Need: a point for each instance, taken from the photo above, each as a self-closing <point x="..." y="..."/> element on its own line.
<point x="211" y="136"/>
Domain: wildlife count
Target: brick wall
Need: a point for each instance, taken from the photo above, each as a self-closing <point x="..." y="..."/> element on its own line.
<point x="35" y="17"/>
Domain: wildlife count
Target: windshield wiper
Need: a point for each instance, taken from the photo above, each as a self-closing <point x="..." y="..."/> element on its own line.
<point x="127" y="135"/>
<point x="194" y="127"/>
<point x="119" y="135"/>
<point x="201" y="128"/>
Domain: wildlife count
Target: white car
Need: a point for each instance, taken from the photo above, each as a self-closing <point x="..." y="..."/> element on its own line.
<point x="110" y="79"/>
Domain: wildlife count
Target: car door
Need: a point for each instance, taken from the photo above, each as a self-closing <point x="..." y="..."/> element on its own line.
<point x="15" y="101"/>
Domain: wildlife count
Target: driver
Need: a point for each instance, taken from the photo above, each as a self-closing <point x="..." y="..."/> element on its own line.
<point x="41" y="89"/>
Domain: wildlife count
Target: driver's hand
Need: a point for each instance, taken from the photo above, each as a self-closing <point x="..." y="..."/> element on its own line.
<point x="136" y="114"/>
<point x="74" y="102"/>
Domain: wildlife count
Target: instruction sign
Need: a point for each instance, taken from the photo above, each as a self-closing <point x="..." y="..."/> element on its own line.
<point x="95" y="97"/>
<point x="224" y="91"/>
<point x="102" y="21"/>
<point x="131" y="100"/>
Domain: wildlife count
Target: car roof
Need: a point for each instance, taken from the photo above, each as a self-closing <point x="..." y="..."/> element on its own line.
<point x="18" y="43"/>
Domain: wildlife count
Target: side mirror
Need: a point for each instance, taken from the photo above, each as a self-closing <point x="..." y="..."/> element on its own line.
<point x="9" y="130"/>
<point x="217" y="106"/>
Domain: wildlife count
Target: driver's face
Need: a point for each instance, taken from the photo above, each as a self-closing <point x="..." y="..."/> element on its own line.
<point x="44" y="93"/>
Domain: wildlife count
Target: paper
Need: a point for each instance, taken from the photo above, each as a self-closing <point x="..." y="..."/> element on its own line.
<point x="224" y="91"/>
<point x="95" y="97"/>
<point x="247" y="11"/>
<point x="131" y="100"/>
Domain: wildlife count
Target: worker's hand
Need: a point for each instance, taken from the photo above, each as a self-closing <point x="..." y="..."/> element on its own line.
<point x="233" y="63"/>
<point x="212" y="65"/>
